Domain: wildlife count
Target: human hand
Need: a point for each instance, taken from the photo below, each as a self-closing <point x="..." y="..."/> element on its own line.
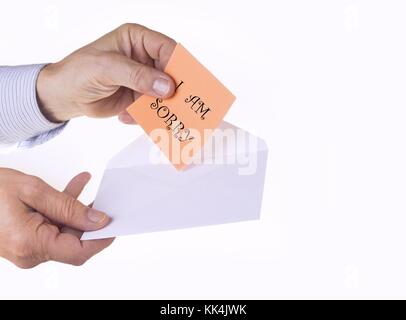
<point x="103" y="78"/>
<point x="39" y="224"/>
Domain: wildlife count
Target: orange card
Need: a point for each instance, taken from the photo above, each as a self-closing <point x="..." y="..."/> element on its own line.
<point x="181" y="125"/>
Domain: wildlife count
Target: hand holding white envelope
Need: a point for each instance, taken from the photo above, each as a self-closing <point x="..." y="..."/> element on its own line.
<point x="142" y="196"/>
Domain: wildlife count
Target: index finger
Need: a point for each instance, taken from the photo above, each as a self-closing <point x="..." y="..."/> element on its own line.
<point x="67" y="248"/>
<point x="157" y="45"/>
<point x="139" y="43"/>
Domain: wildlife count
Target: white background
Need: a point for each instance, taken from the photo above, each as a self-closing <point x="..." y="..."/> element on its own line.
<point x="323" y="82"/>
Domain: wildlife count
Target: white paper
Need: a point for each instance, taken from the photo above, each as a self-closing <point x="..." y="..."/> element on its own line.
<point x="142" y="197"/>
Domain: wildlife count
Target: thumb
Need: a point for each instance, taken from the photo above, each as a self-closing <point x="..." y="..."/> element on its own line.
<point x="123" y="71"/>
<point x="61" y="207"/>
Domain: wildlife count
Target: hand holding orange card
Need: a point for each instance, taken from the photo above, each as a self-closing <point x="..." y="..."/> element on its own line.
<point x="182" y="124"/>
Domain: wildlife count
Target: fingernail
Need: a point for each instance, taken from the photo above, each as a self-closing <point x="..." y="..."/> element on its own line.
<point x="161" y="87"/>
<point x="96" y="216"/>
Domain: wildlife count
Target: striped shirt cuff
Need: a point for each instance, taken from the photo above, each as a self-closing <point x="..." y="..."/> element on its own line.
<point x="20" y="116"/>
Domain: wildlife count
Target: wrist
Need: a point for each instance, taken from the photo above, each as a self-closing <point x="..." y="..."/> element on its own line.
<point x="52" y="106"/>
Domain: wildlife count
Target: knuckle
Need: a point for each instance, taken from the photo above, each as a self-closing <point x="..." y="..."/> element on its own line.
<point x="128" y="26"/>
<point x="20" y="248"/>
<point x="35" y="181"/>
<point x="32" y="186"/>
<point x="24" y="249"/>
<point x="47" y="234"/>
<point x="67" y="209"/>
<point x="24" y="264"/>
<point x="124" y="26"/>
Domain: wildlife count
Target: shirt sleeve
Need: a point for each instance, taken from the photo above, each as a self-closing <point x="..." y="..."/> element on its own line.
<point x="21" y="120"/>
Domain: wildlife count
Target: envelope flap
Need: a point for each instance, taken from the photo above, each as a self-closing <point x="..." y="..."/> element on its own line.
<point x="233" y="141"/>
<point x="135" y="154"/>
<point x="142" y="154"/>
<point x="137" y="157"/>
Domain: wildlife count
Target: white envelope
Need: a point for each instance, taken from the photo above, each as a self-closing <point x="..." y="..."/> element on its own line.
<point x="141" y="196"/>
